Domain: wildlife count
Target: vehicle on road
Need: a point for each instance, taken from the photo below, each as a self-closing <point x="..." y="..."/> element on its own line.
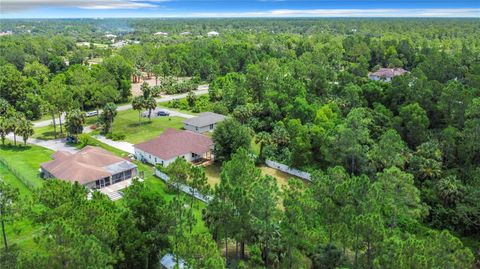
<point x="91" y="113"/>
<point x="163" y="113"/>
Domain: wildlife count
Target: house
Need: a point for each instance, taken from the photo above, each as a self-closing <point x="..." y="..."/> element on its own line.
<point x="161" y="33"/>
<point x="204" y="122"/>
<point x="92" y="167"/>
<point x="168" y="262"/>
<point x="173" y="144"/>
<point x="386" y="74"/>
<point x="119" y="44"/>
<point x="212" y="34"/>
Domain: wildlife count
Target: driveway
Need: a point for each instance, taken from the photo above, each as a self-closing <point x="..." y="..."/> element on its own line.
<point x="201" y="90"/>
<point x="121" y="145"/>
<point x="55" y="144"/>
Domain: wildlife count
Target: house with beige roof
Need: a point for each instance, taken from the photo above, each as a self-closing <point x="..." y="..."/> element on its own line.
<point x="92" y="167"/>
<point x="173" y="144"/>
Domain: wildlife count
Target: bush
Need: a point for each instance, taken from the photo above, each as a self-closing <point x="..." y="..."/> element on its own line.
<point x="118" y="136"/>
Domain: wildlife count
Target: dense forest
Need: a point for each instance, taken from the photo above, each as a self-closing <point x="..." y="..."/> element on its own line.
<point x="395" y="165"/>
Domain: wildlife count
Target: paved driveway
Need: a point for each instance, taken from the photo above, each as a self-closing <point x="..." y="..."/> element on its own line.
<point x="55" y="144"/>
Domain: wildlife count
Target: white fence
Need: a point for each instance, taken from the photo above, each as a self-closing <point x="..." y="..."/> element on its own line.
<point x="186" y="189"/>
<point x="287" y="169"/>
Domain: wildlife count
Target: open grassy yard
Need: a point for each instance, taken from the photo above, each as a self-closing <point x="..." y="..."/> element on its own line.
<point x="47" y="133"/>
<point x="19" y="168"/>
<point x="25" y="161"/>
<point x="136" y="131"/>
<point x="213" y="174"/>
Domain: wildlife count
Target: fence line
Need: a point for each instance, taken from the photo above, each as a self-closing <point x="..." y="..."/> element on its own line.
<point x="186" y="189"/>
<point x="287" y="169"/>
<point x="30" y="185"/>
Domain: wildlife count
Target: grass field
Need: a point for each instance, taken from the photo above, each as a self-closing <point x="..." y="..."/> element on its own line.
<point x="136" y="131"/>
<point x="46" y="133"/>
<point x="26" y="162"/>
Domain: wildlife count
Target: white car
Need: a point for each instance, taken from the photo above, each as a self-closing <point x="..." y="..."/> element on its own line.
<point x="91" y="113"/>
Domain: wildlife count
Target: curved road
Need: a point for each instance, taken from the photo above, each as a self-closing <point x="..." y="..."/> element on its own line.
<point x="201" y="90"/>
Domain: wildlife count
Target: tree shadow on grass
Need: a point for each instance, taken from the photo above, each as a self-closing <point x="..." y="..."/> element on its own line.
<point x="12" y="148"/>
<point x="138" y="124"/>
<point x="50" y="135"/>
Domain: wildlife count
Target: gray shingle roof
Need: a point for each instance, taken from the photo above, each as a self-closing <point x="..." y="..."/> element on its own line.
<point x="205" y="119"/>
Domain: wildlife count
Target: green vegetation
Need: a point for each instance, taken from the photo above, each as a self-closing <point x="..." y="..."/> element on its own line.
<point x="137" y="131"/>
<point x="394" y="162"/>
<point x="24" y="163"/>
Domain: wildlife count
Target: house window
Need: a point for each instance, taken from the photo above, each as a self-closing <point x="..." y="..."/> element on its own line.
<point x="128" y="174"/>
<point x="211" y="126"/>
<point x="155" y="159"/>
<point x="117" y="178"/>
<point x="196" y="128"/>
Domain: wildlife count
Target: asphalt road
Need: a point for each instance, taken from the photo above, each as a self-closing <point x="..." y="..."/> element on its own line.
<point x="202" y="89"/>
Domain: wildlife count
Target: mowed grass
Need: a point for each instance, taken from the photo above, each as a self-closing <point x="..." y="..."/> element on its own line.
<point x="136" y="131"/>
<point x="26" y="162"/>
<point x="47" y="132"/>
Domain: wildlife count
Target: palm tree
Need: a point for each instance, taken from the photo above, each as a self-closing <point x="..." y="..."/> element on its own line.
<point x="108" y="115"/>
<point x="262" y="138"/>
<point x="75" y="121"/>
<point x="150" y="104"/>
<point x="138" y="104"/>
<point x="25" y="129"/>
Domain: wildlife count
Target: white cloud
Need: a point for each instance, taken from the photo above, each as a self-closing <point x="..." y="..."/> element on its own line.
<point x="427" y="12"/>
<point x="24" y="5"/>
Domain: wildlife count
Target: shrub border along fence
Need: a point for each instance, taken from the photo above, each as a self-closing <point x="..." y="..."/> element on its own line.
<point x="287" y="169"/>
<point x="30" y="185"/>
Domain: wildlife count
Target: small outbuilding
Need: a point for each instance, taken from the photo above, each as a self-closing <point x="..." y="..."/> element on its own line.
<point x="204" y="122"/>
<point x="212" y="34"/>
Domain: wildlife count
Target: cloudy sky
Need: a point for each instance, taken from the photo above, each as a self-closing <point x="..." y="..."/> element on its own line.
<point x="237" y="8"/>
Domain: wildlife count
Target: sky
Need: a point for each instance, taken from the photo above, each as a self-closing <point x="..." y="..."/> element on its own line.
<point x="236" y="8"/>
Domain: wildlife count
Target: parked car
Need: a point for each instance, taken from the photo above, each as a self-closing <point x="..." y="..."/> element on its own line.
<point x="91" y="113"/>
<point x="163" y="113"/>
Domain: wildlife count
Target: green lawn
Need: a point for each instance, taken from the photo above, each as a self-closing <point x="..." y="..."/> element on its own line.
<point x="26" y="162"/>
<point x="46" y="133"/>
<point x="127" y="122"/>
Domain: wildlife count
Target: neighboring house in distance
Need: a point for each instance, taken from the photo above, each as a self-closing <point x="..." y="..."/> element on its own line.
<point x="204" y="122"/>
<point x="160" y="34"/>
<point x="168" y="262"/>
<point x="173" y="144"/>
<point x="212" y="33"/>
<point x="386" y="74"/>
<point x="92" y="167"/>
<point x="119" y="44"/>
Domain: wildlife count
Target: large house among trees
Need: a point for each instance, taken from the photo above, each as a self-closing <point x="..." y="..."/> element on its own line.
<point x="386" y="74"/>
<point x="92" y="167"/>
<point x="172" y="144"/>
<point x="204" y="122"/>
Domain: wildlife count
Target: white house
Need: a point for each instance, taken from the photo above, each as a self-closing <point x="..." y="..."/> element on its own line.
<point x="173" y="144"/>
<point x="204" y="122"/>
<point x="212" y="34"/>
<point x="161" y="34"/>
